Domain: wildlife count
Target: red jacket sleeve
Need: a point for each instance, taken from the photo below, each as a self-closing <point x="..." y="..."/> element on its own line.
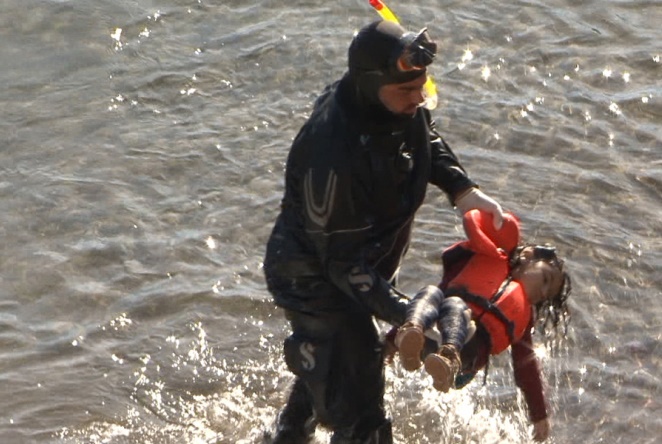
<point x="483" y="238"/>
<point x="528" y="377"/>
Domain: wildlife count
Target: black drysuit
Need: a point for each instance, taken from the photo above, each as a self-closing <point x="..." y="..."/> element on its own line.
<point x="355" y="177"/>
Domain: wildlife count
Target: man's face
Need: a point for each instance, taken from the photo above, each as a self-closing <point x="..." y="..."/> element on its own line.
<point x="541" y="280"/>
<point x="403" y="98"/>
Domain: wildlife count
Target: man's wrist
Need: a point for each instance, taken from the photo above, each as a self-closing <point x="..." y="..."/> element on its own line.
<point x="463" y="193"/>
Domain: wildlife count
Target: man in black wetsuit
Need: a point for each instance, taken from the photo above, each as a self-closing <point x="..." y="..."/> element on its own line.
<point x="356" y="174"/>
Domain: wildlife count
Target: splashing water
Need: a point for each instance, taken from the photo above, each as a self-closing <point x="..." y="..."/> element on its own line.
<point x="211" y="401"/>
<point x="195" y="396"/>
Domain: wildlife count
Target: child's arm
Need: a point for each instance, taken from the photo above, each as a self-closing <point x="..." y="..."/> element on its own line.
<point x="528" y="378"/>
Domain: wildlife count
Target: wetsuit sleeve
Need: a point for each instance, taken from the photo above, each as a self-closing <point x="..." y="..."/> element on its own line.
<point x="363" y="284"/>
<point x="528" y="377"/>
<point x="447" y="172"/>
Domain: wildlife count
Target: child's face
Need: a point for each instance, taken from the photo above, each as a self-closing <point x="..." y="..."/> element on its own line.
<point x="540" y="279"/>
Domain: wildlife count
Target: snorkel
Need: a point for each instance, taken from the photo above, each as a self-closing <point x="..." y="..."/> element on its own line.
<point x="383" y="10"/>
<point x="430" y="88"/>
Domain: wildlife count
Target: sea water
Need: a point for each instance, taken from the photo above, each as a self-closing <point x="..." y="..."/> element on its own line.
<point x="143" y="145"/>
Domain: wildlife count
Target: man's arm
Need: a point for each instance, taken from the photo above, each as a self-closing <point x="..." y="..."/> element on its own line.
<point x="447" y="172"/>
<point x="449" y="175"/>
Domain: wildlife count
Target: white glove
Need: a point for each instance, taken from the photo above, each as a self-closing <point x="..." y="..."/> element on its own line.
<point x="541" y="430"/>
<point x="476" y="199"/>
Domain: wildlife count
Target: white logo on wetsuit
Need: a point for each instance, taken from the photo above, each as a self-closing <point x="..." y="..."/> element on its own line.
<point x="319" y="212"/>
<point x="360" y="280"/>
<point x="307" y="349"/>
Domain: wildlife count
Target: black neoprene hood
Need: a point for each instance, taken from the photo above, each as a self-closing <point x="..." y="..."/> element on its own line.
<point x="373" y="55"/>
<point x="375" y="48"/>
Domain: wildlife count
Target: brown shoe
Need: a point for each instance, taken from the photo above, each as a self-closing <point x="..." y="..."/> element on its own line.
<point x="443" y="366"/>
<point x="410" y="340"/>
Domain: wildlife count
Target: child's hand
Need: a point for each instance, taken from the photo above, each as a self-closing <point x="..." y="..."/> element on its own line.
<point x="541" y="430"/>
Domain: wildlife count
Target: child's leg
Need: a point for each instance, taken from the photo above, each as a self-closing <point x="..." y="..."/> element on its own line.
<point x="454" y="325"/>
<point x="423" y="310"/>
<point x="422" y="313"/>
<point x="455" y="322"/>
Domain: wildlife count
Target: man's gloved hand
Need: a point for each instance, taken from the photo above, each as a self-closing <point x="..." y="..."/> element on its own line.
<point x="473" y="198"/>
<point x="541" y="430"/>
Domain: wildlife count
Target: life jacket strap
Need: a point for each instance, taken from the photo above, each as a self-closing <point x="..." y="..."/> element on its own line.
<point x="489" y="307"/>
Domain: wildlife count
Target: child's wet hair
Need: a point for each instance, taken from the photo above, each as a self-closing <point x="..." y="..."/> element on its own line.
<point x="553" y="312"/>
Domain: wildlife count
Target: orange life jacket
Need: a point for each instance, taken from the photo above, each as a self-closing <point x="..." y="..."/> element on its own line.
<point x="497" y="303"/>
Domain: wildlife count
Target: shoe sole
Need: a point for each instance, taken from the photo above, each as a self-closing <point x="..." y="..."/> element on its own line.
<point x="410" y="345"/>
<point x="437" y="367"/>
